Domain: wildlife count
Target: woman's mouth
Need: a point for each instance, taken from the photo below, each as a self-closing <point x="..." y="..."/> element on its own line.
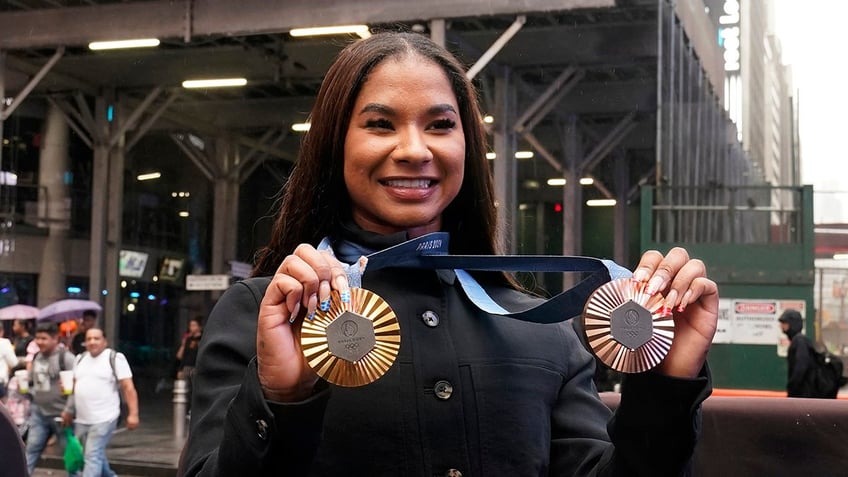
<point x="409" y="183"/>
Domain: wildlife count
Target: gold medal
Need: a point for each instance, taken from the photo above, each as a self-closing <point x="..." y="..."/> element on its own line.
<point x="354" y="343"/>
<point x="628" y="329"/>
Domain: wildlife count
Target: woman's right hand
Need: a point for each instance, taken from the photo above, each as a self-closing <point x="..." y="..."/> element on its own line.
<point x="301" y="282"/>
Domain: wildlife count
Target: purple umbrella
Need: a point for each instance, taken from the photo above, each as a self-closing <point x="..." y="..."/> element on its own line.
<point x="67" y="309"/>
<point x="18" y="312"/>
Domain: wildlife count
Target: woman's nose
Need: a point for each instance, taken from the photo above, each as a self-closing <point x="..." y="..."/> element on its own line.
<point x="412" y="146"/>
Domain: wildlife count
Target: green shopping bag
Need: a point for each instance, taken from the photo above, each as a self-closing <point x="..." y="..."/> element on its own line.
<point x="74" y="457"/>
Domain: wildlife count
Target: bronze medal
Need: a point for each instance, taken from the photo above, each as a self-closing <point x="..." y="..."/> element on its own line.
<point x="628" y="329"/>
<point x="354" y="343"/>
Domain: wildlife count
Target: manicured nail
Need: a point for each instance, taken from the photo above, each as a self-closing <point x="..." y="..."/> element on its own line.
<point x="311" y="305"/>
<point x="654" y="285"/>
<point x="345" y="296"/>
<point x="341" y="283"/>
<point x="294" y="312"/>
<point x="324" y="295"/>
<point x="641" y="275"/>
<point x="671" y="298"/>
<point x="685" y="301"/>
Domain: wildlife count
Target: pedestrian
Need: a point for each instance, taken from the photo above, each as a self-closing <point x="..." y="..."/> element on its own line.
<point x="8" y="361"/>
<point x="100" y="375"/>
<point x="25" y="348"/>
<point x="48" y="400"/>
<point x="89" y="320"/>
<point x="187" y="354"/>
<point x="800" y="356"/>
<point x="396" y="150"/>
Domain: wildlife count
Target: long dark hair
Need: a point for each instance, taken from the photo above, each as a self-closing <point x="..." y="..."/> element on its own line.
<point x="315" y="201"/>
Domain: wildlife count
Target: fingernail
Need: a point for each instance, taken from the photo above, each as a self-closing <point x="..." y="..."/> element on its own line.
<point x="341" y="283"/>
<point x="671" y="298"/>
<point x="312" y="304"/>
<point x="324" y="292"/>
<point x="345" y="296"/>
<point x="294" y="312"/>
<point x="640" y="275"/>
<point x="685" y="301"/>
<point x="654" y="285"/>
<point x="324" y="305"/>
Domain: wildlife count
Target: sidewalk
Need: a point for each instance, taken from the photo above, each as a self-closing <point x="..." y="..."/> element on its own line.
<point x="151" y="450"/>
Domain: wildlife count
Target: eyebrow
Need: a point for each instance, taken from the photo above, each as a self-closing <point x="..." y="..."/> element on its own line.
<point x="384" y="109"/>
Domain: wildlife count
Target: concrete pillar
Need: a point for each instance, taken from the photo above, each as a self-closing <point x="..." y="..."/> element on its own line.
<point x="225" y="212"/>
<point x="99" y="196"/>
<point x="505" y="173"/>
<point x="114" y="231"/>
<point x="572" y="201"/>
<point x="621" y="237"/>
<point x="54" y="205"/>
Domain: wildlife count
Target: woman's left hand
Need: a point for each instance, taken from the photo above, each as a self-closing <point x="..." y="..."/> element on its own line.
<point x="692" y="297"/>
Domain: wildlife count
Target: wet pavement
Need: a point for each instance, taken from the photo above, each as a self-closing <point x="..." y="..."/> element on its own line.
<point x="151" y="450"/>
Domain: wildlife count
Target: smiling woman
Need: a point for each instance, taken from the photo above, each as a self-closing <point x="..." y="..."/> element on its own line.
<point x="397" y="150"/>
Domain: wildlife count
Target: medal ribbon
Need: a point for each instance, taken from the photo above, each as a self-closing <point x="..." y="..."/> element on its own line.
<point x="430" y="251"/>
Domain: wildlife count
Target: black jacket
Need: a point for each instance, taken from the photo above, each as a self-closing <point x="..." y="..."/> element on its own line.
<point x="523" y="401"/>
<point x="799" y="358"/>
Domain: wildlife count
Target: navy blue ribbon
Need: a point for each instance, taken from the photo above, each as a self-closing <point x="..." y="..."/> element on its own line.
<point x="431" y="252"/>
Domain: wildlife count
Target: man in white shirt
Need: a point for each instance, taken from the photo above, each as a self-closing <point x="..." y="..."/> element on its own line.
<point x="95" y="405"/>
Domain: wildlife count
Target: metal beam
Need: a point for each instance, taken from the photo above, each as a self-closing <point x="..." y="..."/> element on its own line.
<point x="166" y="18"/>
<point x="199" y="160"/>
<point x="134" y="117"/>
<point x="32" y="83"/>
<point x="548" y="99"/>
<point x="493" y="50"/>
<point x="542" y="150"/>
<point x="615" y="136"/>
<point x="148" y="123"/>
<point x="69" y="113"/>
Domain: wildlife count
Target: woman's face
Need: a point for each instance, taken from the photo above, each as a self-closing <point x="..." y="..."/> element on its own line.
<point x="404" y="153"/>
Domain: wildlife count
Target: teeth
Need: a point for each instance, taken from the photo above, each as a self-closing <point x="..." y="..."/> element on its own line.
<point x="409" y="183"/>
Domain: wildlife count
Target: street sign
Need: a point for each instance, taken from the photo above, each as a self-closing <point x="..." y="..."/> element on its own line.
<point x="207" y="282"/>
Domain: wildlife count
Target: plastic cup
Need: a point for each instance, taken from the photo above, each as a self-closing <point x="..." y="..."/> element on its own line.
<point x="22" y="376"/>
<point x="67" y="380"/>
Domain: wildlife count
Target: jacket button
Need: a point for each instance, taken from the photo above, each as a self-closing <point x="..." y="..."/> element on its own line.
<point x="262" y="429"/>
<point x="453" y="473"/>
<point x="443" y="390"/>
<point x="430" y="319"/>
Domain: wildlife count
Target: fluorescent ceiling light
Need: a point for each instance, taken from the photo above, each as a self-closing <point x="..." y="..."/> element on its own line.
<point x="491" y="155"/>
<point x="149" y="176"/>
<point x="524" y="154"/>
<point x="488" y="119"/>
<point x="600" y="202"/>
<point x="183" y="213"/>
<point x="301" y="127"/>
<point x="362" y="30"/>
<point x="214" y="83"/>
<point x="587" y="181"/>
<point x="840" y="256"/>
<point x="114" y="45"/>
<point x="556" y="181"/>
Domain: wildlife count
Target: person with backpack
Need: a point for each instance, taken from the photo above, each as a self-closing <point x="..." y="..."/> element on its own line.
<point x="804" y="378"/>
<point x="100" y="374"/>
<point x="48" y="401"/>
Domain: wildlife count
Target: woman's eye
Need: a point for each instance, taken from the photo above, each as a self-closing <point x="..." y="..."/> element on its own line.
<point x="378" y="124"/>
<point x="444" y="124"/>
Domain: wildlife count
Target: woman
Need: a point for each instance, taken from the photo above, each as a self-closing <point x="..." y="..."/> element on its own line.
<point x="397" y="150"/>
